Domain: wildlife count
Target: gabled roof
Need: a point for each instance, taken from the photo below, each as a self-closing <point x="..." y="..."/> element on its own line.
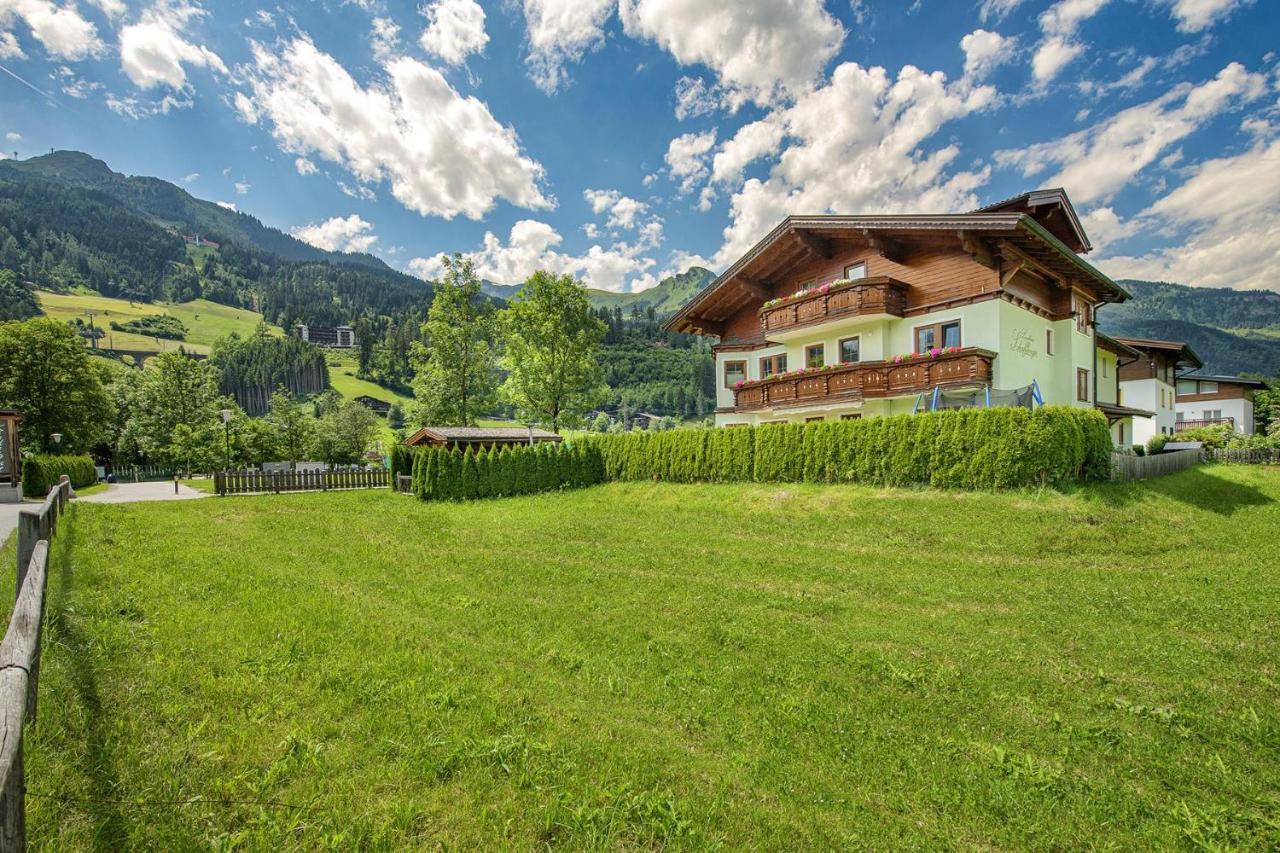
<point x="1051" y="208"/>
<point x="1112" y="345"/>
<point x="1019" y="230"/>
<point x="480" y="435"/>
<point x="1227" y="380"/>
<point x="1183" y="352"/>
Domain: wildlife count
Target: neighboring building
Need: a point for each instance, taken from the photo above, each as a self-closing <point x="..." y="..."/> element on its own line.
<point x="1210" y="400"/>
<point x="341" y="337"/>
<point x="197" y="240"/>
<point x="381" y="407"/>
<point x="460" y="438"/>
<point x="818" y="320"/>
<point x="1113" y="356"/>
<point x="1151" y="383"/>
<point x="10" y="458"/>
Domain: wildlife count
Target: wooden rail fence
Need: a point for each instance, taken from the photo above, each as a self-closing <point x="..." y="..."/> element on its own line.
<point x="1125" y="467"/>
<point x="1258" y="456"/>
<point x="257" y="482"/>
<point x="20" y="658"/>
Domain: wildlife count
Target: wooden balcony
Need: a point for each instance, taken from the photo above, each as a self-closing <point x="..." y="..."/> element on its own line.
<point x="863" y="297"/>
<point x="1179" y="426"/>
<point x="866" y="380"/>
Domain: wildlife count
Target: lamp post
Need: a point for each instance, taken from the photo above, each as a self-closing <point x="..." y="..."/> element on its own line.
<point x="226" y="431"/>
<point x="57" y="440"/>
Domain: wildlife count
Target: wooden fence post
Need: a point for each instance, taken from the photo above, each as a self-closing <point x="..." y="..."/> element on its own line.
<point x="28" y="535"/>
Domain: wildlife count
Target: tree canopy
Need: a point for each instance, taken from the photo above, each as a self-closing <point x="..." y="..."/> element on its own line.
<point x="46" y="374"/>
<point x="455" y="361"/>
<point x="552" y="351"/>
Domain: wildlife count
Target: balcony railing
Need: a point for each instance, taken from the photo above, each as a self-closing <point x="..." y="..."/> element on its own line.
<point x="1179" y="426"/>
<point x="868" y="379"/>
<point x="878" y="295"/>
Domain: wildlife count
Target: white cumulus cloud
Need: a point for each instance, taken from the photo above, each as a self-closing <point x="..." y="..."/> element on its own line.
<point x="1060" y="24"/>
<point x="455" y="30"/>
<point x="983" y="51"/>
<point x="1229" y="222"/>
<point x="1095" y="163"/>
<point x="687" y="157"/>
<point x="1194" y="16"/>
<point x="560" y="32"/>
<point x="759" y="49"/>
<point x="153" y="51"/>
<point x="61" y="30"/>
<point x="338" y="234"/>
<point x="443" y="154"/>
<point x="854" y="145"/>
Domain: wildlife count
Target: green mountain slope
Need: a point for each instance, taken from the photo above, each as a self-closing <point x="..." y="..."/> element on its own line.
<point x="1234" y="331"/>
<point x="665" y="298"/>
<point x="170" y="205"/>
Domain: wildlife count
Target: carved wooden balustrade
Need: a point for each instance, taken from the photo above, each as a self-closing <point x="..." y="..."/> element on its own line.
<point x="865" y="296"/>
<point x="867" y="379"/>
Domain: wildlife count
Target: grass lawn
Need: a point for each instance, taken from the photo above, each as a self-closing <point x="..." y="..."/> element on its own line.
<point x="642" y="665"/>
<point x="206" y="321"/>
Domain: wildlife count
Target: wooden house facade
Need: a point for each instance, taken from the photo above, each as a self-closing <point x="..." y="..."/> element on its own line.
<point x="832" y="317"/>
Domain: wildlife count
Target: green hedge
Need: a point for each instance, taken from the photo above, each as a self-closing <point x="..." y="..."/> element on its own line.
<point x="402" y="459"/>
<point x="966" y="449"/>
<point x="41" y="473"/>
<point x="440" y="474"/>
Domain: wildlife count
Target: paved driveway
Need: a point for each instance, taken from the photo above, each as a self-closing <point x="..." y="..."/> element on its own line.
<point x="117" y="493"/>
<point x="126" y="493"/>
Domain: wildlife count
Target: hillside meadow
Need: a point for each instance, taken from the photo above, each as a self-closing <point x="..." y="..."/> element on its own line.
<point x="206" y="321"/>
<point x="655" y="665"/>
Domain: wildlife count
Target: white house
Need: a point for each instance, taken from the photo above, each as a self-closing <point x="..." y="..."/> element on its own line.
<point x="1151" y="382"/>
<point x="1210" y="400"/>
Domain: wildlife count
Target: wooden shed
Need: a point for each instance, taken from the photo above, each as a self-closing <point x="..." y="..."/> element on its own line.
<point x="460" y="438"/>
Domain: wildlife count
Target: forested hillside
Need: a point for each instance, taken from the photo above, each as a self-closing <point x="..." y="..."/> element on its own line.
<point x="664" y="298"/>
<point x="1234" y="331"/>
<point x="68" y="221"/>
<point x="252" y="368"/>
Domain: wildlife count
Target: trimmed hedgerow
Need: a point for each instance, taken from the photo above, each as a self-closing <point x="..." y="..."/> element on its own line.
<point x="41" y="473"/>
<point x="403" y="458"/>
<point x="452" y="475"/>
<point x="964" y="449"/>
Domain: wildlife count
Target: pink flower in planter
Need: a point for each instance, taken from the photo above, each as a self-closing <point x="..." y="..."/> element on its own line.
<point x="935" y="352"/>
<point x="897" y="359"/>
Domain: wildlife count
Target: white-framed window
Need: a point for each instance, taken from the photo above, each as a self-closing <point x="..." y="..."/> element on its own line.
<point x="853" y="272"/>
<point x="1208" y="387"/>
<point x="1213" y="414"/>
<point x="1186" y="386"/>
<point x="734" y="372"/>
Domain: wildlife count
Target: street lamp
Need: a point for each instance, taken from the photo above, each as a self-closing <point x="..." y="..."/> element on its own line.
<point x="57" y="439"/>
<point x="226" y="430"/>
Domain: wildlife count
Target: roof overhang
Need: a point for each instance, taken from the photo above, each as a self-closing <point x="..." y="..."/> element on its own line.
<point x="1112" y="411"/>
<point x="1221" y="380"/>
<point x="797" y="238"/>
<point x="1183" y="353"/>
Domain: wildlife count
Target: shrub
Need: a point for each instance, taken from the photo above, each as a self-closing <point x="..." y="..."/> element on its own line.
<point x="41" y="473"/>
<point x="403" y="458"/>
<point x="1156" y="443"/>
<point x="968" y="448"/>
<point x="1212" y="437"/>
<point x="518" y="470"/>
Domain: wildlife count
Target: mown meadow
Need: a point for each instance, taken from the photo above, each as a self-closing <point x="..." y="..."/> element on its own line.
<point x="659" y="665"/>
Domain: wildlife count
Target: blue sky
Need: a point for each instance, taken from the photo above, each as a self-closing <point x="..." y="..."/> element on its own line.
<point x="622" y="140"/>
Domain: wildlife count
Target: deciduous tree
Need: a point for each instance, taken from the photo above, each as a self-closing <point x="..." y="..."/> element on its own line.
<point x="455" y="362"/>
<point x="552" y="351"/>
<point x="46" y="375"/>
